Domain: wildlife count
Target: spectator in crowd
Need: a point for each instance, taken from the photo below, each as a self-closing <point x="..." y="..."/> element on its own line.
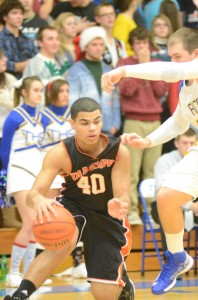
<point x="1" y="23"/>
<point x="17" y="47"/>
<point x="66" y="25"/>
<point x="84" y="9"/>
<point x="140" y="103"/>
<point x="31" y="22"/>
<point x="6" y="93"/>
<point x="84" y="78"/>
<point x="124" y="22"/>
<point x="22" y="133"/>
<point x="152" y="9"/>
<point x="161" y="30"/>
<point x="189" y="13"/>
<point x="182" y="143"/>
<point x="105" y="16"/>
<point x="139" y="17"/>
<point x="6" y="105"/>
<point x="46" y="64"/>
<point x="170" y="9"/>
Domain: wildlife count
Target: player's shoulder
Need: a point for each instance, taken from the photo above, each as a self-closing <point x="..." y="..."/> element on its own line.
<point x="123" y="152"/>
<point x="56" y="151"/>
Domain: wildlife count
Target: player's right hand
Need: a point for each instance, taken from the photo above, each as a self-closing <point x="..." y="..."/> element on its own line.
<point x="133" y="139"/>
<point x="43" y="207"/>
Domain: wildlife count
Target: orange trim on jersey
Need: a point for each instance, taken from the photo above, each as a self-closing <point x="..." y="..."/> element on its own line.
<point x="32" y="242"/>
<point x="64" y="147"/>
<point x="128" y="234"/>
<point x="125" y="250"/>
<point x="89" y="154"/>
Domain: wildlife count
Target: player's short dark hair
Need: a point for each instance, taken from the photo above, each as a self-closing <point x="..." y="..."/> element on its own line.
<point x="83" y="104"/>
<point x="7" y="6"/>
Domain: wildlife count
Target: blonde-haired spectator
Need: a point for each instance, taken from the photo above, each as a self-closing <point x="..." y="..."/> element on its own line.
<point x="66" y="25"/>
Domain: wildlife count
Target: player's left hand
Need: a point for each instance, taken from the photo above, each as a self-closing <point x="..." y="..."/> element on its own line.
<point x="117" y="209"/>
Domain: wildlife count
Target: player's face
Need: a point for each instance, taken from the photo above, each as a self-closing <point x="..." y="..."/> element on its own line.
<point x="88" y="126"/>
<point x="33" y="96"/>
<point x="95" y="49"/>
<point x="50" y="42"/>
<point x="70" y="27"/>
<point x="179" y="54"/>
<point x="63" y="96"/>
<point x="14" y="18"/>
<point x="184" y="143"/>
<point x="106" y="17"/>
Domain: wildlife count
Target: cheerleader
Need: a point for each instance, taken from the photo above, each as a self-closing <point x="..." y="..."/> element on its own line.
<point x="21" y="157"/>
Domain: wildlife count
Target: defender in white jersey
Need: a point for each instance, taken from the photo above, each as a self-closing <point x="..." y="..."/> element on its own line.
<point x="181" y="183"/>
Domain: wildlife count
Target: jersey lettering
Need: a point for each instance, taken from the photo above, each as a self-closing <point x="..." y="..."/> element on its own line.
<point x="101" y="164"/>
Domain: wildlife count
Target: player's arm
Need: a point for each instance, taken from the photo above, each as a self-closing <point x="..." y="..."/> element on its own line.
<point x="119" y="205"/>
<point x="36" y="198"/>
<point x="173" y="126"/>
<point x="167" y="71"/>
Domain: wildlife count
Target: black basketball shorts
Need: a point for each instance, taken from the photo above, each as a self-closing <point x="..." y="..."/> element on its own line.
<point x="107" y="242"/>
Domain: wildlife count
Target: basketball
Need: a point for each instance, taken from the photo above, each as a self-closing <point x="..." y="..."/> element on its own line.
<point x="57" y="233"/>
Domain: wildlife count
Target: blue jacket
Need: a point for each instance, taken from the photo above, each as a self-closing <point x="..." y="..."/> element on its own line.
<point x="82" y="84"/>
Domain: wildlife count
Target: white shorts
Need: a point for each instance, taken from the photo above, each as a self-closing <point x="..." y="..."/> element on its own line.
<point x="23" y="168"/>
<point x="183" y="176"/>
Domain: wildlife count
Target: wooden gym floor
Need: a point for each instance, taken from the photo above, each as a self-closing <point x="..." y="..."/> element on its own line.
<point x="67" y="288"/>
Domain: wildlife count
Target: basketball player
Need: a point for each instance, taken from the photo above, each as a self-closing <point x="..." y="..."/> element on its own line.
<point x="180" y="184"/>
<point x="55" y="119"/>
<point x="97" y="192"/>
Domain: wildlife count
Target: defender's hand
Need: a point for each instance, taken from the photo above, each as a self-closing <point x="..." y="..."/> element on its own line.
<point x="133" y="139"/>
